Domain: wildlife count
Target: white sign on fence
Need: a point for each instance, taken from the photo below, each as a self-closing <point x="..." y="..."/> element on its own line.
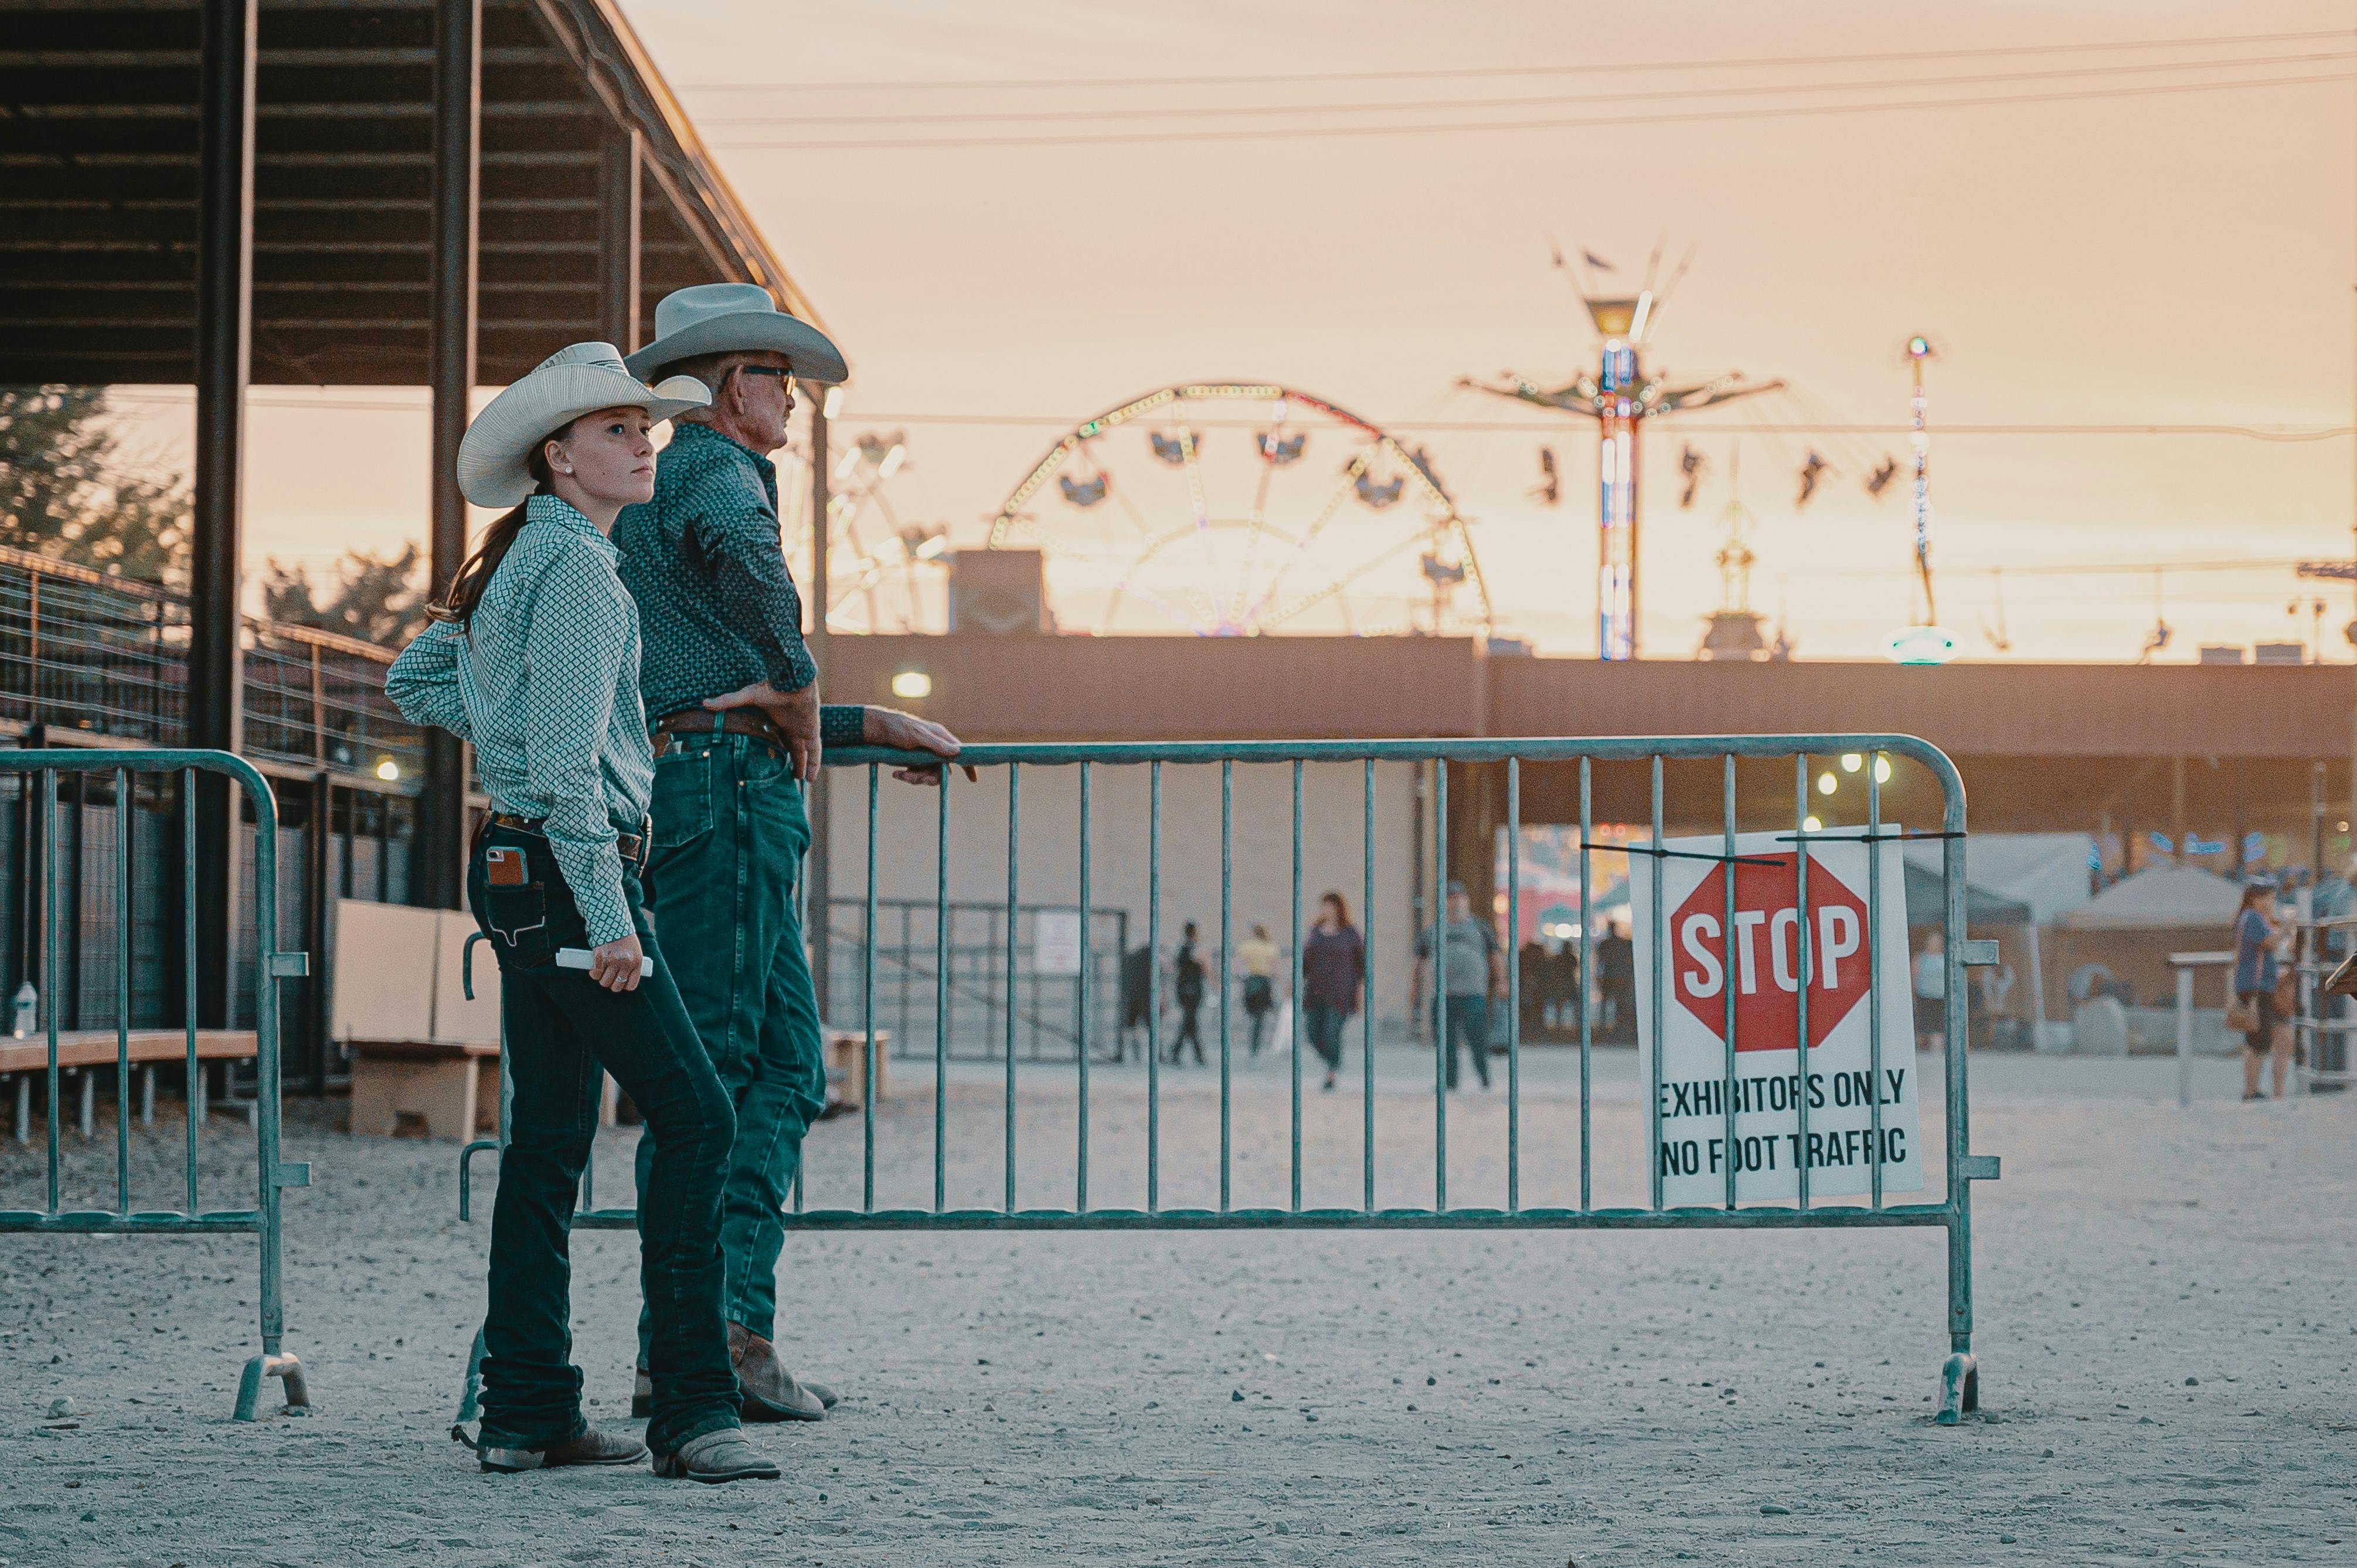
<point x="1056" y="942"/>
<point x="1693" y="1153"/>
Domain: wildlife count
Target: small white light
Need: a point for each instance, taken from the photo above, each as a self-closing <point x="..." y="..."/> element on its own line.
<point x="1851" y="762"/>
<point x="913" y="684"/>
<point x="1883" y="770"/>
<point x="892" y="461"/>
<point x="1827" y="783"/>
<point x="933" y="546"/>
<point x="833" y="405"/>
<point x="388" y="771"/>
<point x="1920" y="645"/>
<point x="1813" y="825"/>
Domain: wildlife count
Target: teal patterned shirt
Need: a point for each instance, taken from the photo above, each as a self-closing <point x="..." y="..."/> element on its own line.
<point x="543" y="682"/>
<point x="706" y="563"/>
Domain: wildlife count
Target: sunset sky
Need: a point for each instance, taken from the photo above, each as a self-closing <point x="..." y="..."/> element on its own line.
<point x="2143" y="258"/>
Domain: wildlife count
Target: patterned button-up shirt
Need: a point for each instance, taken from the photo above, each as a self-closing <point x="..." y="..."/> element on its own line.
<point x="544" y="681"/>
<point x="705" y="561"/>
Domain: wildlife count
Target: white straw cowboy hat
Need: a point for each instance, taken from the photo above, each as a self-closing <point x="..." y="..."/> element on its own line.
<point x="578" y="378"/>
<point x="735" y="318"/>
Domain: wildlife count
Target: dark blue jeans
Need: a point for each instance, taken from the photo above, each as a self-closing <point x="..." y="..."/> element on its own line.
<point x="729" y="835"/>
<point x="1467" y="1018"/>
<point x="1325" y="1026"/>
<point x="560" y="1027"/>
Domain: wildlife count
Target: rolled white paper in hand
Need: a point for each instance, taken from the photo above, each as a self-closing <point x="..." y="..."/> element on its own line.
<point x="582" y="957"/>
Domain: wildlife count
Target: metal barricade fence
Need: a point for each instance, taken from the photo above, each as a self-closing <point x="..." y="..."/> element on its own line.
<point x="2322" y="1026"/>
<point x="39" y="771"/>
<point x="1951" y="1213"/>
<point x="907" y="947"/>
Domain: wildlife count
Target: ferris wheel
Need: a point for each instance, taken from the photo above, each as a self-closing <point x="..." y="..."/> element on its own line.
<point x="885" y="569"/>
<point x="1232" y="509"/>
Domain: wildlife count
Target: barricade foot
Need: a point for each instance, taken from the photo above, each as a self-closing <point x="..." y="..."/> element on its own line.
<point x="262" y="1369"/>
<point x="1960" y="1388"/>
<point x="467" y="1184"/>
<point x="470" y="1401"/>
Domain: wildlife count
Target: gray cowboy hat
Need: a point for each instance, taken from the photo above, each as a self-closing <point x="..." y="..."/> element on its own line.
<point x="581" y="378"/>
<point x="733" y="318"/>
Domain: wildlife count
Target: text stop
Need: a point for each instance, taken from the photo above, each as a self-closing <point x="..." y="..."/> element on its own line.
<point x="1769" y="948"/>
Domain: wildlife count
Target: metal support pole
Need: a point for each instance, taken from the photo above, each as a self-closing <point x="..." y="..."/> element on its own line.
<point x="618" y="238"/>
<point x="2185" y="1033"/>
<point x="2315" y="827"/>
<point x="450" y="370"/>
<point x="2177" y="810"/>
<point x="318" y="896"/>
<point x="819" y="866"/>
<point x="223" y="360"/>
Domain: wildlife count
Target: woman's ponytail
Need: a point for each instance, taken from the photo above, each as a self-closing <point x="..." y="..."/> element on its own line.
<point x="465" y="590"/>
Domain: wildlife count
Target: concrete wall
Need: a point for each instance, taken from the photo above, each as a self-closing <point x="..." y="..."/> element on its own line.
<point x="1333" y="841"/>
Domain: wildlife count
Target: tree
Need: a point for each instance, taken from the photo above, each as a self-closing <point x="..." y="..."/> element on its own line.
<point x="376" y="598"/>
<point x="69" y="491"/>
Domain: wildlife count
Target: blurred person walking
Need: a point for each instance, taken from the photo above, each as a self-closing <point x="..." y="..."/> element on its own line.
<point x="1475" y="973"/>
<point x="1538" y="992"/>
<point x="1187" y="988"/>
<point x="532" y="658"/>
<point x="1616" y="981"/>
<point x="738" y="734"/>
<point x="1568" y="987"/>
<point x="1333" y="974"/>
<point x="2267" y="1034"/>
<point x="1931" y="986"/>
<point x="1256" y="964"/>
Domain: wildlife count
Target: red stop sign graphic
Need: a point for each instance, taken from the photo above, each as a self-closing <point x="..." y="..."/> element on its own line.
<point x="1768" y="952"/>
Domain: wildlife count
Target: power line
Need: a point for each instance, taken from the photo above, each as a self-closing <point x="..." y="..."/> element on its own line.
<point x="1450" y="426"/>
<point x="1592" y="122"/>
<point x="1466" y="72"/>
<point x="2085" y="569"/>
<point x="1551" y="100"/>
<point x="1556" y="427"/>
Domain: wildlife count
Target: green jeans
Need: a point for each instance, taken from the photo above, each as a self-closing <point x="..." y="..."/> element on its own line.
<point x="729" y="835"/>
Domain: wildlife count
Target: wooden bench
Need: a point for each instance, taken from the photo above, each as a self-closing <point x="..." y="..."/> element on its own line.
<point x="84" y="1053"/>
<point x="847" y="1067"/>
<point x="423" y="1056"/>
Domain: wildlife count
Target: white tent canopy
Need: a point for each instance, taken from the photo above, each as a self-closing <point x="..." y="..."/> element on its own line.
<point x="2046" y="871"/>
<point x="2160" y="896"/>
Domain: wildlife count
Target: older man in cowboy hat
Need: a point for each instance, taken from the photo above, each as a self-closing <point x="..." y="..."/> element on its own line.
<point x="733" y="698"/>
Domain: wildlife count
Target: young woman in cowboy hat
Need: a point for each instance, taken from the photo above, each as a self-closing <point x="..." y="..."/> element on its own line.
<point x="533" y="658"/>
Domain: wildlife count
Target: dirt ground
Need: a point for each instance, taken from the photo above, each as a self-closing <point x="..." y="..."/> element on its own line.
<point x="2165" y="1328"/>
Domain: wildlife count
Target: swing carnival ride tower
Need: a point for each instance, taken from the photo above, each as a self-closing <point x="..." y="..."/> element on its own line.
<point x="1622" y="396"/>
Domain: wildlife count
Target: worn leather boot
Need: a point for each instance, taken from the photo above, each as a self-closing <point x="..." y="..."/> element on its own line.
<point x="722" y="1455"/>
<point x="592" y="1447"/>
<point x="643" y="1394"/>
<point x="766" y="1390"/>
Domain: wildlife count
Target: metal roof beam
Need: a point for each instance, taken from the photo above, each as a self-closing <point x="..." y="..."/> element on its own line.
<point x="270" y="59"/>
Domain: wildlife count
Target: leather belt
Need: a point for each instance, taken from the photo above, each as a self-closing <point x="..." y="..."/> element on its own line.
<point x="688" y="724"/>
<point x="631" y="846"/>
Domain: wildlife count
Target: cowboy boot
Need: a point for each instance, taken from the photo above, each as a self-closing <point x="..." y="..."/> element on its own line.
<point x="716" y="1457"/>
<point x="592" y="1447"/>
<point x="766" y="1390"/>
<point x="643" y="1394"/>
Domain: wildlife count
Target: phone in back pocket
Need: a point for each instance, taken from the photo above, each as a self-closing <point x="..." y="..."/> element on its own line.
<point x="504" y="868"/>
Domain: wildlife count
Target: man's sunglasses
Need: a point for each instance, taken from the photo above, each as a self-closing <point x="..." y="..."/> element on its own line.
<point x="786" y="376"/>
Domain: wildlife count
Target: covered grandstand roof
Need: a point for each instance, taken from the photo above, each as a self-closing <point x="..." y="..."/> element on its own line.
<point x="99" y="188"/>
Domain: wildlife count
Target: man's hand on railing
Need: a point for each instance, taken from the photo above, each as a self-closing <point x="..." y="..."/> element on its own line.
<point x="795" y="712"/>
<point x="907" y="732"/>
